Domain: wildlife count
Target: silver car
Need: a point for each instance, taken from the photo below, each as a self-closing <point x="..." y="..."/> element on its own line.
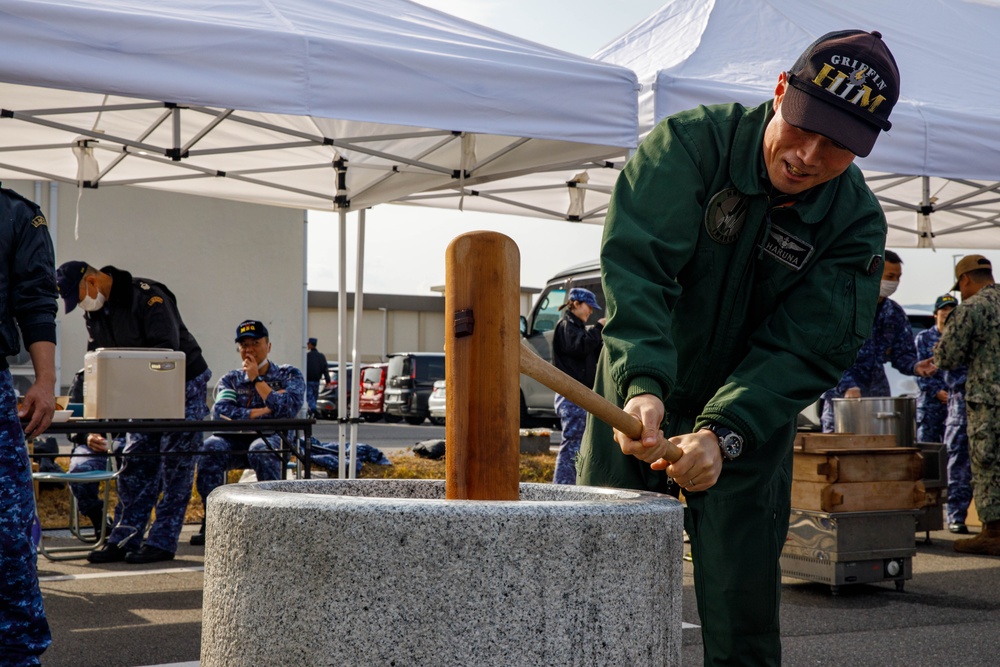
<point x="435" y="404"/>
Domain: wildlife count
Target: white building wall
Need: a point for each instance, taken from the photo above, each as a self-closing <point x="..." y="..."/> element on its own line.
<point x="225" y="261"/>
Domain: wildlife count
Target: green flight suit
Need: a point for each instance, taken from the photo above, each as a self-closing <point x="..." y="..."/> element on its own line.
<point x="739" y="306"/>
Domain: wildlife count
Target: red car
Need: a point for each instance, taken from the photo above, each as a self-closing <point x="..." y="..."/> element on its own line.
<point x="370" y="405"/>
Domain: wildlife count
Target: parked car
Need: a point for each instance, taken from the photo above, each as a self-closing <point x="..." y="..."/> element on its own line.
<point x="536" y="399"/>
<point x="326" y="401"/>
<point x="371" y="403"/>
<point x="411" y="378"/>
<point x="436" y="403"/>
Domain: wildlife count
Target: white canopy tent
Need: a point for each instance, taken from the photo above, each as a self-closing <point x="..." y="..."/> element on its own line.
<point x="936" y="171"/>
<point x="314" y="104"/>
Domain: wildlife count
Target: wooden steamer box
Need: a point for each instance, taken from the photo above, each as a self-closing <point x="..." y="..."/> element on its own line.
<point x="855" y="499"/>
<point x="856" y="473"/>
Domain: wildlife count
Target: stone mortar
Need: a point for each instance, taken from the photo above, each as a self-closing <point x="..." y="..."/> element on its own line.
<point x="350" y="573"/>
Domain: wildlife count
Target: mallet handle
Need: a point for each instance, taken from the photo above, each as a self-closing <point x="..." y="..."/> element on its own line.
<point x="538" y="369"/>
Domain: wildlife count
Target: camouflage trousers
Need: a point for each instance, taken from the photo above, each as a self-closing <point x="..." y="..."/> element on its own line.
<point x="956" y="441"/>
<point x="164" y="482"/>
<point x="261" y="457"/>
<point x="24" y="632"/>
<point x="930" y="421"/>
<point x="312" y="393"/>
<point x="85" y="459"/>
<point x="984" y="455"/>
<point x="574" y="420"/>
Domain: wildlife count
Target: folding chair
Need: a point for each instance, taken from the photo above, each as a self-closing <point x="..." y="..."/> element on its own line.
<point x="67" y="478"/>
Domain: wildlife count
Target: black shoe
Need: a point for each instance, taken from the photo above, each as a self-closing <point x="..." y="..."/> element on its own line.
<point x="148" y="554"/>
<point x="198" y="539"/>
<point x="959" y="528"/>
<point x="110" y="553"/>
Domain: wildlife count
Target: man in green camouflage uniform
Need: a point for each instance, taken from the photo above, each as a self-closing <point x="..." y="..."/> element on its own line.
<point x="973" y="338"/>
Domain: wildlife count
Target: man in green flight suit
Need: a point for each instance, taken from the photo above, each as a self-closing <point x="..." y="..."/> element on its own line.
<point x="741" y="263"/>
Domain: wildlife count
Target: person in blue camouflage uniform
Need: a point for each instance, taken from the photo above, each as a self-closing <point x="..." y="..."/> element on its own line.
<point x="27" y="303"/>
<point x="259" y="389"/>
<point x="126" y="311"/>
<point x="891" y="340"/>
<point x="575" y="348"/>
<point x="956" y="440"/>
<point x="932" y="401"/>
<point x="316" y="368"/>
<point x="972" y="338"/>
<point x="90" y="455"/>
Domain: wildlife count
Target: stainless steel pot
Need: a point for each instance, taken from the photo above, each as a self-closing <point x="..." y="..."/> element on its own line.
<point x="878" y="415"/>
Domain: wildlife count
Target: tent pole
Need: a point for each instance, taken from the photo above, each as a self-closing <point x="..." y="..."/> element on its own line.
<point x="342" y="371"/>
<point x="305" y="287"/>
<point x="925" y="238"/>
<point x="343" y="205"/>
<point x="359" y="296"/>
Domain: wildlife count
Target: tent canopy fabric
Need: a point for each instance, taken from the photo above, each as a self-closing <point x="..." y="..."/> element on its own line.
<point x="938" y="165"/>
<point x="264" y="100"/>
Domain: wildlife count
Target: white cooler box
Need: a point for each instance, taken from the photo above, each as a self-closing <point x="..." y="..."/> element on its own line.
<point x="133" y="383"/>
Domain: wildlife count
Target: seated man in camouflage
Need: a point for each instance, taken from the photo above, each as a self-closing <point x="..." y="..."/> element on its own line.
<point x="259" y="389"/>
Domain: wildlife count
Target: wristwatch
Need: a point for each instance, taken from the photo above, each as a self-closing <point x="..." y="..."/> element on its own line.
<point x="258" y="379"/>
<point x="730" y="442"/>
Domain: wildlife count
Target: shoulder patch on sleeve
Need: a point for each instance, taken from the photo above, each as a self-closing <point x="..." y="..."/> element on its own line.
<point x="154" y="300"/>
<point x="874" y="264"/>
<point x="39" y="221"/>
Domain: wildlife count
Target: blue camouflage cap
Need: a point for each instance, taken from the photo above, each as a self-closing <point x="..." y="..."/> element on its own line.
<point x="584" y="296"/>
<point x="944" y="302"/>
<point x="68" y="277"/>
<point x="250" y="329"/>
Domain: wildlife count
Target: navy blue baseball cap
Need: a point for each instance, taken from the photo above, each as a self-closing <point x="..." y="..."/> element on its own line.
<point x="944" y="302"/>
<point x="312" y="341"/>
<point x="584" y="296"/>
<point x="250" y="329"/>
<point x="843" y="86"/>
<point x="68" y="277"/>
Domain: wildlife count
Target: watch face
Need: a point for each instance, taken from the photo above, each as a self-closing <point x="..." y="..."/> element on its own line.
<point x="732" y="445"/>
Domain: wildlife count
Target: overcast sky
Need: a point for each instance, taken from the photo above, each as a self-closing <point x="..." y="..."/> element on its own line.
<point x="405" y="246"/>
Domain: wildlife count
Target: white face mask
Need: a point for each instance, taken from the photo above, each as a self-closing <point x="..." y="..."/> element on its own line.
<point x="887" y="287"/>
<point x="91" y="304"/>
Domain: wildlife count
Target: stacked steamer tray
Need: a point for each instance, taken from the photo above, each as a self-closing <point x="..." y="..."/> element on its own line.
<point x="855" y="499"/>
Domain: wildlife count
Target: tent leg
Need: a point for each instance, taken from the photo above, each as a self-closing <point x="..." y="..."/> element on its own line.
<point x="359" y="295"/>
<point x="342" y="343"/>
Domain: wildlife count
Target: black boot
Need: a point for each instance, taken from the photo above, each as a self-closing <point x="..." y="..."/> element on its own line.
<point x="198" y="539"/>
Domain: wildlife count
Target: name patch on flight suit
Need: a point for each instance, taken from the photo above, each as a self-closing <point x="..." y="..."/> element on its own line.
<point x="725" y="214"/>
<point x="788" y="249"/>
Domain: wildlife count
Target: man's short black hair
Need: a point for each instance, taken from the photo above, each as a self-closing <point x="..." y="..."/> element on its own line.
<point x="892" y="258"/>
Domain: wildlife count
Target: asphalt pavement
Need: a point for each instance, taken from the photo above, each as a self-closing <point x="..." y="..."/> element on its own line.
<point x="120" y="615"/>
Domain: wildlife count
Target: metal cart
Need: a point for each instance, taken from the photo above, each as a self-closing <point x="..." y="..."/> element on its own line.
<point x="850" y="547"/>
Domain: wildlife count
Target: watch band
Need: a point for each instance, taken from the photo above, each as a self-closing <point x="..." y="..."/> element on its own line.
<point x="258" y="379"/>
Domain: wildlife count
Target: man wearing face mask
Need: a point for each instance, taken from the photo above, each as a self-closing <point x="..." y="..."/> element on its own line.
<point x="258" y="389"/>
<point x="125" y="311"/>
<point x="891" y="340"/>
